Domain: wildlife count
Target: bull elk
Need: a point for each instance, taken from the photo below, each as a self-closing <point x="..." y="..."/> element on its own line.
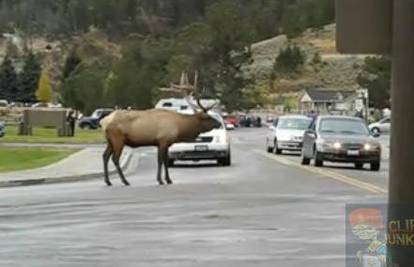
<point x="160" y="128"/>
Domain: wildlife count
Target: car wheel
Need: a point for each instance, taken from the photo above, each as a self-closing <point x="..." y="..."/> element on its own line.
<point x="375" y="166"/>
<point x="376" y="130"/>
<point x="225" y="161"/>
<point x="276" y="150"/>
<point x="359" y="166"/>
<point x="318" y="159"/>
<point x="86" y="127"/>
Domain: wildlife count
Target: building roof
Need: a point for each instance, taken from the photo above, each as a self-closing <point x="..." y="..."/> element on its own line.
<point x="328" y="95"/>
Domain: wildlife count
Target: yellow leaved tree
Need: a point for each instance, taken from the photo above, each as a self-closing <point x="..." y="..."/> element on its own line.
<point x="44" y="89"/>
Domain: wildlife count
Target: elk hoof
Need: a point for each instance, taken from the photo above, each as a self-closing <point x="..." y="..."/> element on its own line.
<point x="169" y="182"/>
<point x="126" y="183"/>
<point x="108" y="183"/>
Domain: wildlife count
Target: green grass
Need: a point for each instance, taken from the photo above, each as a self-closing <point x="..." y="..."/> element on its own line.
<point x="49" y="136"/>
<point x="17" y="159"/>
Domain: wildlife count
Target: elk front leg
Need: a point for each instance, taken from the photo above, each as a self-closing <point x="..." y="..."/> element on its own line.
<point x="167" y="174"/>
<point x="115" y="159"/>
<point x="106" y="156"/>
<point x="160" y="162"/>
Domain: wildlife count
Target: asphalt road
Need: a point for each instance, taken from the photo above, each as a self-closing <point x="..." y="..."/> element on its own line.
<point x="262" y="211"/>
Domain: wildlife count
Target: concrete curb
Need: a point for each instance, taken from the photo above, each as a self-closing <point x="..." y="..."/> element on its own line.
<point x="66" y="179"/>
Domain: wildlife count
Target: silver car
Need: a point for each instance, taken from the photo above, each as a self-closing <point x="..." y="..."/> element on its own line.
<point x="286" y="133"/>
<point x="341" y="139"/>
<point x="383" y="126"/>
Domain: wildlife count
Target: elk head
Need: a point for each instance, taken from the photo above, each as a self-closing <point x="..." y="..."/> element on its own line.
<point x="207" y="122"/>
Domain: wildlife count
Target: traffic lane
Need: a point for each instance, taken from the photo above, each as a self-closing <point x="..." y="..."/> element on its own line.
<point x="256" y="212"/>
<point x="255" y="139"/>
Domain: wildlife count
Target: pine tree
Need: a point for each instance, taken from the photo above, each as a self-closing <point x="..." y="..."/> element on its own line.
<point x="72" y="62"/>
<point x="29" y="79"/>
<point x="8" y="80"/>
<point x="44" y="90"/>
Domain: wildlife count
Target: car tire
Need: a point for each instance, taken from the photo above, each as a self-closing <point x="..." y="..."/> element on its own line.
<point x="226" y="162"/>
<point x="276" y="150"/>
<point x="376" y="130"/>
<point x="359" y="166"/>
<point x="375" y="166"/>
<point x="318" y="160"/>
<point x="86" y="127"/>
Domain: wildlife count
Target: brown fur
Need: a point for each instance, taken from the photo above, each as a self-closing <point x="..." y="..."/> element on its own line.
<point x="161" y="128"/>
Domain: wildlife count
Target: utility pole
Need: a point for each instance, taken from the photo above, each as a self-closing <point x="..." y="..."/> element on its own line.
<point x="387" y="27"/>
<point x="401" y="179"/>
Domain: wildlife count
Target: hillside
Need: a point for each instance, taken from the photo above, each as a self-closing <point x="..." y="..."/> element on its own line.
<point x="334" y="70"/>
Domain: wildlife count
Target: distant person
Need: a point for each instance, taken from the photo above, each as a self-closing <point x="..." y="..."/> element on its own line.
<point x="71" y="119"/>
<point x="259" y="121"/>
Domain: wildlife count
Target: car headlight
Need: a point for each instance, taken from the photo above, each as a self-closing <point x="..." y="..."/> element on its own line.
<point x="337" y="145"/>
<point x="370" y="147"/>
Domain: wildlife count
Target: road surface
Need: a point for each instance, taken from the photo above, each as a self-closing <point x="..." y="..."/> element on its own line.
<point x="263" y="211"/>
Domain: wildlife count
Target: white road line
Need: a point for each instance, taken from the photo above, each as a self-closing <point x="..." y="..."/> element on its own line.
<point x="330" y="174"/>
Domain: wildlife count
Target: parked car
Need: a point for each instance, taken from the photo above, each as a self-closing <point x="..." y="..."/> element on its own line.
<point x="286" y="133"/>
<point x="231" y="122"/>
<point x="341" y="139"/>
<point x="92" y="122"/>
<point x="2" y="129"/>
<point x="214" y="145"/>
<point x="229" y="119"/>
<point x="4" y="103"/>
<point x="382" y="126"/>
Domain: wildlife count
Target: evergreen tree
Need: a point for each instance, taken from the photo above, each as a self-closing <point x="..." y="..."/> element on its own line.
<point x="29" y="79"/>
<point x="72" y="62"/>
<point x="8" y="81"/>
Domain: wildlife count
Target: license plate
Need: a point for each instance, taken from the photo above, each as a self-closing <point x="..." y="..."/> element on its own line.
<point x="353" y="152"/>
<point x="201" y="148"/>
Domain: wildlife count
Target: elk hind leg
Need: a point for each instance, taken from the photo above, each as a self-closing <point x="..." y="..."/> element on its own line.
<point x="165" y="160"/>
<point x="116" y="158"/>
<point x="106" y="156"/>
<point x="160" y="163"/>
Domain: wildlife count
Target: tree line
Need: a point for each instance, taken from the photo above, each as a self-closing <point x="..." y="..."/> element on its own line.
<point x="160" y="39"/>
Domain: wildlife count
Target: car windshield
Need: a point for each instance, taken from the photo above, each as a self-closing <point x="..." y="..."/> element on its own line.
<point x="343" y="126"/>
<point x="294" y="123"/>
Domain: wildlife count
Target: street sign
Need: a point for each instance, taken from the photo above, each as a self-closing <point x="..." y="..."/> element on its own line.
<point x="364" y="26"/>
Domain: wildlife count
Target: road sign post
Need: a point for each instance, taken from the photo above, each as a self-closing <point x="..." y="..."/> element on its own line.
<point x="386" y="27"/>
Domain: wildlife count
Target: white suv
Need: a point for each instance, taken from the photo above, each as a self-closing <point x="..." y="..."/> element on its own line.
<point x="214" y="145"/>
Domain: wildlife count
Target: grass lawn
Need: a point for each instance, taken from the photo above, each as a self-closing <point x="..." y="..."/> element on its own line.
<point x="49" y="136"/>
<point x="17" y="159"/>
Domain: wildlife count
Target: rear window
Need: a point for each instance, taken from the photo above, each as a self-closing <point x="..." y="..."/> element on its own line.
<point x="294" y="123"/>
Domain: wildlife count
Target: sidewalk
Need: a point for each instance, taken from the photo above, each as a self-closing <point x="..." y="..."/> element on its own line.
<point x="84" y="165"/>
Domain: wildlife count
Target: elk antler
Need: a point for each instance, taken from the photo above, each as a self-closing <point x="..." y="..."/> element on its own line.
<point x="189" y="90"/>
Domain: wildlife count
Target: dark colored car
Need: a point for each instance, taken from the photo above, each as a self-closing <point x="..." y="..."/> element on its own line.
<point x="92" y="122"/>
<point x="2" y="129"/>
<point x="341" y="139"/>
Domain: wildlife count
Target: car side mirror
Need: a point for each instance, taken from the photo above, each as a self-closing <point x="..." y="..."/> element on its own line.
<point x="272" y="128"/>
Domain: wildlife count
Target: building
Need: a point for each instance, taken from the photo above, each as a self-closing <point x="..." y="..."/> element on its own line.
<point x="324" y="101"/>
